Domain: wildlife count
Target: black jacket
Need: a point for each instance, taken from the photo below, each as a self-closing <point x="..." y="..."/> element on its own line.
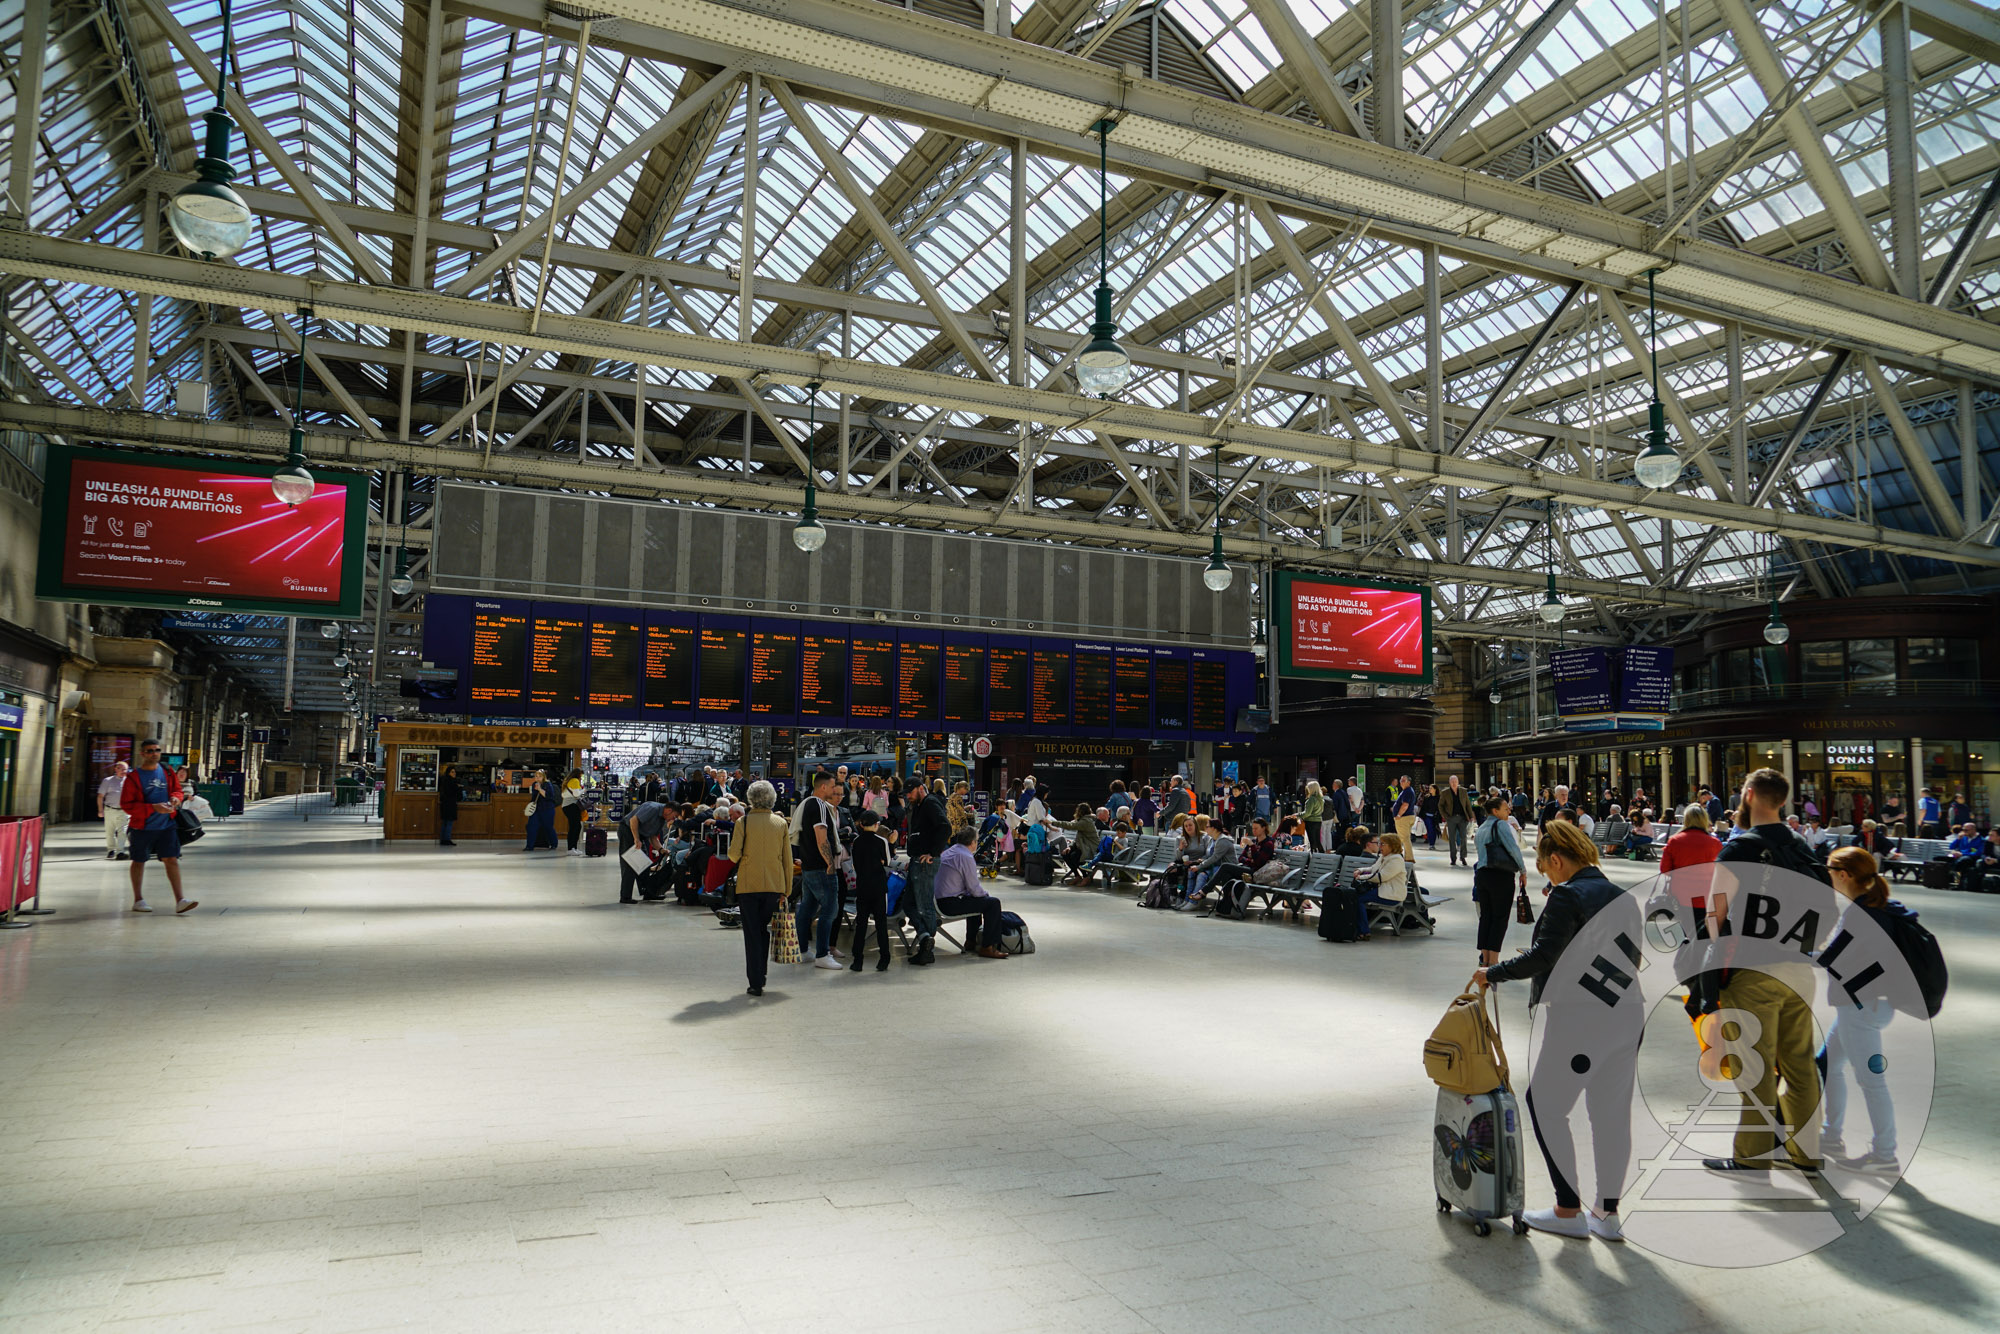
<point x="930" y="827"/>
<point x="448" y="795"/>
<point x="1569" y="907"/>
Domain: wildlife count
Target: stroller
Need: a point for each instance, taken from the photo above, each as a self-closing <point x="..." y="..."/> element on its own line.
<point x="987" y="851"/>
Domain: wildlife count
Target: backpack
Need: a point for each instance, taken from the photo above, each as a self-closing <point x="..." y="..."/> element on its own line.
<point x="1792" y="853"/>
<point x="1014" y="937"/>
<point x="1158" y="895"/>
<point x="1920" y="951"/>
<point x="1464" y="1054"/>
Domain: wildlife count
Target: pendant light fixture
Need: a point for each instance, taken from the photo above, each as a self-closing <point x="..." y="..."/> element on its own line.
<point x="1552" y="609"/>
<point x="205" y="215"/>
<point x="1657" y="466"/>
<point x="810" y="535"/>
<point x="400" y="583"/>
<point x="1218" y="575"/>
<point x="1103" y="367"/>
<point x="1775" y="629"/>
<point x="293" y="484"/>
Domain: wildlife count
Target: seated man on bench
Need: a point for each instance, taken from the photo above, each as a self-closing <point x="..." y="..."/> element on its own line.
<point x="959" y="894"/>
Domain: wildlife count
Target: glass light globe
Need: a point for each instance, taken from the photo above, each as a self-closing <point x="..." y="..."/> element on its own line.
<point x="1493" y="698"/>
<point x="205" y="215"/>
<point x="292" y="484"/>
<point x="1776" y="631"/>
<point x="1218" y="575"/>
<point x="330" y="630"/>
<point x="342" y="660"/>
<point x="1551" y="611"/>
<point x="401" y="585"/>
<point x="209" y="219"/>
<point x="1657" y="467"/>
<point x="1102" y="367"/>
<point x="809" y="535"/>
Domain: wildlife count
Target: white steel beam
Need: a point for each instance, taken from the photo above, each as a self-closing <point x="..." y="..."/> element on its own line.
<point x="1306" y="64"/>
<point x="28" y="75"/>
<point x="1765" y="65"/>
<point x="1916" y="459"/>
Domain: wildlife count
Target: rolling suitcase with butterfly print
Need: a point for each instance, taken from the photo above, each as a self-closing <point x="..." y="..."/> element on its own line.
<point x="1476" y="1147"/>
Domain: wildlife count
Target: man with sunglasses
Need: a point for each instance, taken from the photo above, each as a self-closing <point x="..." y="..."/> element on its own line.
<point x="152" y="797"/>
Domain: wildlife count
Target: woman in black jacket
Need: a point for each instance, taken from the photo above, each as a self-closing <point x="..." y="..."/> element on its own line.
<point x="448" y="795"/>
<point x="1577" y="892"/>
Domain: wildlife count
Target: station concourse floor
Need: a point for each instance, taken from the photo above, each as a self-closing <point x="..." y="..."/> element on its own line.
<point x="396" y="1086"/>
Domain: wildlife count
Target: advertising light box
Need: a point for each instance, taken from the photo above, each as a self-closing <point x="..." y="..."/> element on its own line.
<point x="120" y="527"/>
<point x="1331" y="628"/>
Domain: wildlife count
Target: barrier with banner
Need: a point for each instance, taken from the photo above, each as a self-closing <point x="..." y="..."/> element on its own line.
<point x="21" y="868"/>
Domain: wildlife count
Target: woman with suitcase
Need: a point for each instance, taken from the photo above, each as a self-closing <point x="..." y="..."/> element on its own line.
<point x="1577" y="892"/>
<point x="1498" y="873"/>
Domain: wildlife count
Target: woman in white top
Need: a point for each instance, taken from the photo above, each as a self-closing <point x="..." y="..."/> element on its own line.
<point x="1387" y="881"/>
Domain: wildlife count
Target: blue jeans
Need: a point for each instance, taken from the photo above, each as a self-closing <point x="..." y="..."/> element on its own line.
<point x="819" y="903"/>
<point x="444" y="830"/>
<point x="920" y="895"/>
<point x="1370" y="900"/>
<point x="1855" y="1040"/>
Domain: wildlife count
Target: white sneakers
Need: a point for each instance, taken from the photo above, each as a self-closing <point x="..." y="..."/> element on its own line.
<point x="1547" y="1220"/>
<point x="140" y="905"/>
<point x="828" y="961"/>
<point x="1583" y="1225"/>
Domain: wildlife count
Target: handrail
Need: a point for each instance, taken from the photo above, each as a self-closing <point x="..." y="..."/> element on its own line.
<point x="1695" y="701"/>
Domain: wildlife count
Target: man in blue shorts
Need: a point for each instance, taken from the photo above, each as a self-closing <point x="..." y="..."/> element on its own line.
<point x="152" y="796"/>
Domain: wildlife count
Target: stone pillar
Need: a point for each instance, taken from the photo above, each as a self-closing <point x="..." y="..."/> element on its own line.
<point x="1203" y="766"/>
<point x="1913" y="808"/>
<point x="1704" y="765"/>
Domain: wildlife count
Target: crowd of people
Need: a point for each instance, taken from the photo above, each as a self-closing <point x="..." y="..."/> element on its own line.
<point x="845" y="835"/>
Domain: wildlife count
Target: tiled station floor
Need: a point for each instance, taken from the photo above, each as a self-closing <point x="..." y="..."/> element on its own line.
<point x="393" y="1086"/>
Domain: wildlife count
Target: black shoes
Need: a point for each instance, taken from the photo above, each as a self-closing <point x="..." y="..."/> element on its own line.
<point x="925" y="953"/>
<point x="881" y="964"/>
<point x="754" y="991"/>
<point x="855" y="967"/>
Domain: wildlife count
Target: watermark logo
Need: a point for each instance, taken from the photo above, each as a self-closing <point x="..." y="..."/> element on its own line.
<point x="1809" y="1073"/>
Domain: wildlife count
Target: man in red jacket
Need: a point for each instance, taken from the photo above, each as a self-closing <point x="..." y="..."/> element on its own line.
<point x="152" y="797"/>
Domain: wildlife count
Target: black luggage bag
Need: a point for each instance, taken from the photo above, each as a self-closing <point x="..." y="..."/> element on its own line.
<point x="594" y="842"/>
<point x="654" y="880"/>
<point x="1340" y="913"/>
<point x="1038" y="868"/>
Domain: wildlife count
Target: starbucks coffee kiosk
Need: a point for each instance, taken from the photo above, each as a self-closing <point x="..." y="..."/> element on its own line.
<point x="494" y="767"/>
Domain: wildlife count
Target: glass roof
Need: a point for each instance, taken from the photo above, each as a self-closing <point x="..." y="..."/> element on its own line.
<point x="523" y="117"/>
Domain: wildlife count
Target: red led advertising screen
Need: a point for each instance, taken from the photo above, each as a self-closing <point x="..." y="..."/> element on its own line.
<point x="121" y="527"/>
<point x="1332" y="628"/>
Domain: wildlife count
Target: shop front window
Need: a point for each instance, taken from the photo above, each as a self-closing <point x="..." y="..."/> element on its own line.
<point x="1851" y="794"/>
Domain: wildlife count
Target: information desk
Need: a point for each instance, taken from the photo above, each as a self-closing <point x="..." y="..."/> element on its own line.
<point x="494" y="766"/>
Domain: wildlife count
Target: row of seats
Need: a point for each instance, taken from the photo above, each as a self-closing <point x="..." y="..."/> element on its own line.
<point x="1310" y="878"/>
